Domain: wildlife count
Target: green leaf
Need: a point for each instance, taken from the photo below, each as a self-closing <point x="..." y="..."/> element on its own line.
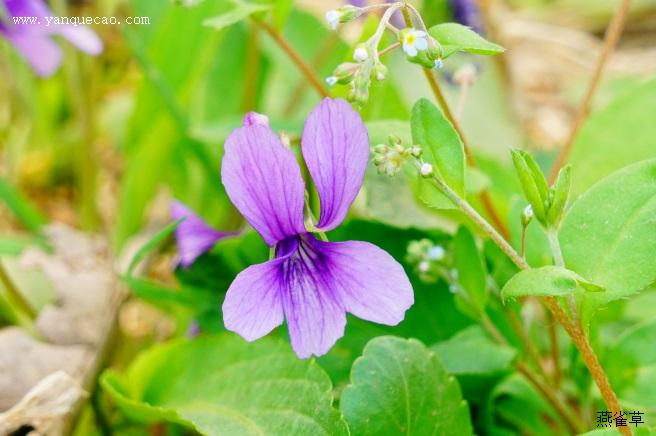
<point x="455" y="37"/>
<point x="21" y="207"/>
<point x="471" y="352"/>
<point x="220" y="385"/>
<point x="470" y="267"/>
<point x="603" y="145"/>
<point x="442" y="148"/>
<point x="281" y="11"/>
<point x="151" y="245"/>
<point x="399" y="387"/>
<point x="238" y="11"/>
<point x="545" y="281"/>
<point x="608" y="234"/>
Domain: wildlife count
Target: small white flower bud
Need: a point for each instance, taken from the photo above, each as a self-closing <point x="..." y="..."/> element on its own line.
<point x="527" y="215"/>
<point x="438" y="63"/>
<point x="332" y="17"/>
<point x="426" y="170"/>
<point x="423" y="266"/>
<point x="361" y="54"/>
<point x="331" y="80"/>
<point x="416" y="151"/>
<point x="436" y="253"/>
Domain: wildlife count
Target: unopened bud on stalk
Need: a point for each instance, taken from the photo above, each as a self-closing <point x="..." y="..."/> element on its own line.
<point x="380" y="71"/>
<point x="345" y="72"/>
<point x="527" y="215"/>
<point x="426" y="170"/>
<point x="416" y="151"/>
<point x="342" y="15"/>
<point x="361" y="53"/>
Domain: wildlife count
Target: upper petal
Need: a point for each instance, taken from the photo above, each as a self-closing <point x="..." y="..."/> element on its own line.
<point x="263" y="180"/>
<point x="253" y="305"/>
<point x="335" y="147"/>
<point x="82" y="37"/>
<point x="371" y="284"/>
<point x="43" y="55"/>
<point x="193" y="235"/>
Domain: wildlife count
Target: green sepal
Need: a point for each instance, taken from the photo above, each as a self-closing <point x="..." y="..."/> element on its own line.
<point x="560" y="192"/>
<point x="532" y="188"/>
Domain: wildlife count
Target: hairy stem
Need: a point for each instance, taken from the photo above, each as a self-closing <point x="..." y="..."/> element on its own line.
<point x="573" y="330"/>
<point x="293" y="55"/>
<point x="613" y="33"/>
<point x="317" y="62"/>
<point x="554" y="348"/>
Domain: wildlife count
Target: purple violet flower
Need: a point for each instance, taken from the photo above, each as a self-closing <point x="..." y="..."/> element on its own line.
<point x="310" y="283"/>
<point x="33" y="40"/>
<point x="193" y="235"/>
<point x="467" y="12"/>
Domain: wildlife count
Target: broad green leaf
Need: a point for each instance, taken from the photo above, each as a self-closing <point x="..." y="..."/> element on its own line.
<point x="471" y="269"/>
<point x="223" y="385"/>
<point x="604" y="144"/>
<point x="608" y="234"/>
<point x="398" y="386"/>
<point x="545" y="281"/>
<point x="471" y="352"/>
<point x="238" y="11"/>
<point x="455" y="37"/>
<point x="26" y="213"/>
<point x="442" y="148"/>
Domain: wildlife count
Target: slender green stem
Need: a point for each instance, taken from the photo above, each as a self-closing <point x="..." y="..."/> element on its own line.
<point x="554" y="244"/>
<point x="303" y="66"/>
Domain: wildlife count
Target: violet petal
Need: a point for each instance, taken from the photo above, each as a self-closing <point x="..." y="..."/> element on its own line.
<point x="193" y="235"/>
<point x="43" y="55"/>
<point x="371" y="284"/>
<point x="263" y="180"/>
<point x="335" y="147"/>
<point x="253" y="303"/>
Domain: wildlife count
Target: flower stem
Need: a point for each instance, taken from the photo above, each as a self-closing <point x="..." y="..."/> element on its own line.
<point x="554" y="244"/>
<point x="295" y="57"/>
<point x="613" y="33"/>
<point x="573" y="330"/>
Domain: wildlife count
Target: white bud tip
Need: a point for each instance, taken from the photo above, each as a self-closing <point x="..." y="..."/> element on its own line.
<point x="332" y="17"/>
<point x="436" y="253"/>
<point x="360" y="54"/>
<point x="255" y="119"/>
<point x="528" y="211"/>
<point x="331" y="80"/>
<point x="424" y="266"/>
<point x="380" y="77"/>
<point x="438" y="64"/>
<point x="426" y="170"/>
